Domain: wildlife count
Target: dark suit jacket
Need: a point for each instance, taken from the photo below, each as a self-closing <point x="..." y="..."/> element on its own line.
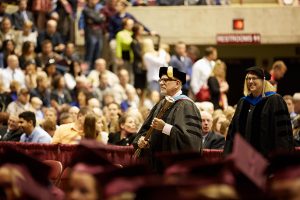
<point x="18" y="19"/>
<point x="214" y="141"/>
<point x="12" y="136"/>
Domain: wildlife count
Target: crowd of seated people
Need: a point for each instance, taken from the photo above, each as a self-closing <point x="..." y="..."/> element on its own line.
<point x="42" y="72"/>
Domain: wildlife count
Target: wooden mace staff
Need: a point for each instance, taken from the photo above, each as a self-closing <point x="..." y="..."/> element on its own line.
<point x="168" y="101"/>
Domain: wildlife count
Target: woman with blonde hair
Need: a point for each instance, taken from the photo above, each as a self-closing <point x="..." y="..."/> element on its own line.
<point x="261" y="117"/>
<point x="218" y="86"/>
<point x="127" y="133"/>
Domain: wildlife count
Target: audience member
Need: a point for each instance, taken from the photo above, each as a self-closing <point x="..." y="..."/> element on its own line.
<point x="49" y="126"/>
<point x="277" y="72"/>
<point x="218" y="86"/>
<point x="153" y="60"/>
<point x="52" y="35"/>
<point x="138" y="66"/>
<point x="296" y="101"/>
<point x="21" y="104"/>
<point x="119" y="90"/>
<point x="21" y="15"/>
<point x="201" y="71"/>
<point x="93" y="31"/>
<point x="115" y="24"/>
<point x="26" y="35"/>
<point x="290" y="105"/>
<point x="152" y="98"/>
<point x="100" y="67"/>
<point x="30" y="75"/>
<point x="70" y="55"/>
<point x="47" y="54"/>
<point x="3" y="119"/>
<point x="11" y="132"/>
<point x="127" y="133"/>
<point x="32" y="132"/>
<point x="218" y="119"/>
<point x="182" y="62"/>
<point x="51" y="113"/>
<point x="42" y="90"/>
<point x="3" y="12"/>
<point x="71" y="133"/>
<point x="93" y="103"/>
<point x="36" y="104"/>
<point x="6" y="30"/>
<point x="210" y="138"/>
<point x="74" y="73"/>
<point x="124" y="53"/>
<point x="74" y="112"/>
<point x="132" y="100"/>
<point x="12" y="72"/>
<point x="193" y="53"/>
<point x="113" y="116"/>
<point x="28" y="55"/>
<point x="65" y="118"/>
<point x="82" y="97"/>
<point x="60" y="95"/>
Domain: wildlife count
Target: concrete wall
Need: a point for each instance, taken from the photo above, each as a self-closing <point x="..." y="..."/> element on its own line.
<point x="201" y="24"/>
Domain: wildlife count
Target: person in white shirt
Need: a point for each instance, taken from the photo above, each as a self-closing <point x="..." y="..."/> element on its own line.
<point x="21" y="104"/>
<point x="100" y="67"/>
<point x="153" y="60"/>
<point x="12" y="72"/>
<point x="202" y="69"/>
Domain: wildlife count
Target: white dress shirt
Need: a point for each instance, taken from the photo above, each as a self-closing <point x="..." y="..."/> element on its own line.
<point x="200" y="73"/>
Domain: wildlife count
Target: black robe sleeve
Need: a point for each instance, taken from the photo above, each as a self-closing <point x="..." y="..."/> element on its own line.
<point x="233" y="128"/>
<point x="280" y="128"/>
<point x="186" y="131"/>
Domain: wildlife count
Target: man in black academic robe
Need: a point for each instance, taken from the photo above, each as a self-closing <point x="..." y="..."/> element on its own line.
<point x="179" y="129"/>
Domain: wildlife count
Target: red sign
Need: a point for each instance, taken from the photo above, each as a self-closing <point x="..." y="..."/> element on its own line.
<point x="247" y="38"/>
<point x="238" y="24"/>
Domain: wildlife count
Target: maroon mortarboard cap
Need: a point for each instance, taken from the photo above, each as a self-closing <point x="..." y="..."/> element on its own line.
<point x="284" y="166"/>
<point x="90" y="152"/>
<point x="157" y="191"/>
<point x="248" y="161"/>
<point x="37" y="169"/>
<point x="284" y="176"/>
<point x="261" y="73"/>
<point x="170" y="158"/>
<point x="33" y="182"/>
<point x="249" y="167"/>
<point x="172" y="72"/>
<point x="128" y="179"/>
<point x="185" y="192"/>
<point x="201" y="172"/>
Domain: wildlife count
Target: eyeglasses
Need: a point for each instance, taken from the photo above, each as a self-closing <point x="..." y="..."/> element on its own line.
<point x="166" y="80"/>
<point x="252" y="78"/>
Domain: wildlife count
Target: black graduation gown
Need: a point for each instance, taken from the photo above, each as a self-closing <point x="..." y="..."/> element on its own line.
<point x="266" y="125"/>
<point x="185" y="134"/>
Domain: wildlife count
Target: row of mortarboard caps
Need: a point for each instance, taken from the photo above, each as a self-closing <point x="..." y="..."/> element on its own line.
<point x="187" y="175"/>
